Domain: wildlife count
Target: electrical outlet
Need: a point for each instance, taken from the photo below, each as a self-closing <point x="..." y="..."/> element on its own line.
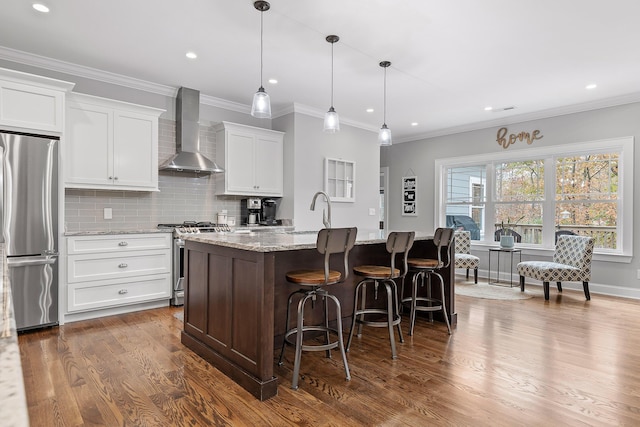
<point x="108" y="213"/>
<point x="372" y="211"/>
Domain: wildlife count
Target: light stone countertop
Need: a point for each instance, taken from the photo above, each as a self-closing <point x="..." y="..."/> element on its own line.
<point x="13" y="402"/>
<point x="273" y="241"/>
<point x="110" y="232"/>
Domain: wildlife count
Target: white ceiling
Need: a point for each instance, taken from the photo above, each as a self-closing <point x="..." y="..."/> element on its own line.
<point x="450" y="59"/>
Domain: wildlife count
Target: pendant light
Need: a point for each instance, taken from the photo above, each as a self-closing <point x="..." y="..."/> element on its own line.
<point x="261" y="106"/>
<point x="331" y="119"/>
<point x="384" y="136"/>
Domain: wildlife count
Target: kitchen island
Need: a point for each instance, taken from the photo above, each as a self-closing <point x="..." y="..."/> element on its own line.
<point x="236" y="295"/>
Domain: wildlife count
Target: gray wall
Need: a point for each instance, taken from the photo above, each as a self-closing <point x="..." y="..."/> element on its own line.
<point x="420" y="156"/>
<point x="306" y="146"/>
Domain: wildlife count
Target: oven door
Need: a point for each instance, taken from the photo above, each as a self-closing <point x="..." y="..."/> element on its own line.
<point x="178" y="272"/>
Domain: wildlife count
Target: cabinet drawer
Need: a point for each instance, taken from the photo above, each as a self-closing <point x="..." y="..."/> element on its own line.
<point x="95" y="295"/>
<point x="89" y="267"/>
<point x="121" y="243"/>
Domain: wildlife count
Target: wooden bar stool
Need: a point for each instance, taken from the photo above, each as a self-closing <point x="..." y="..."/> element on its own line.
<point x="330" y="241"/>
<point x="397" y="243"/>
<point x="425" y="269"/>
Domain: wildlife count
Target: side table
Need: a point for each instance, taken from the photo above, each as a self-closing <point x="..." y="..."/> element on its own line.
<point x="510" y="251"/>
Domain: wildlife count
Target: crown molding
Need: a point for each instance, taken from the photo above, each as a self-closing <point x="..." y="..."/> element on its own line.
<point x="111" y="78"/>
<point x="527" y="117"/>
<point x="170" y="91"/>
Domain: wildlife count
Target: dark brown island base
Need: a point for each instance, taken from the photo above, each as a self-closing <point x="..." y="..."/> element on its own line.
<point x="236" y="295"/>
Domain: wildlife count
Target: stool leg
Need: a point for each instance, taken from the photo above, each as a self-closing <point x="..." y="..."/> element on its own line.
<point x="355" y="313"/>
<point x="299" y="337"/>
<point x="444" y="305"/>
<point x="326" y="324"/>
<point x="428" y="284"/>
<point x="414" y="295"/>
<point x="340" y="340"/>
<point x="396" y="307"/>
<point x="390" y="313"/>
<point x="363" y="304"/>
<point x="286" y="327"/>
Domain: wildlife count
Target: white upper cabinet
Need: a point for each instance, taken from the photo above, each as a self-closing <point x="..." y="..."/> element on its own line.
<point x="32" y="103"/>
<point x="111" y="144"/>
<point x="252" y="158"/>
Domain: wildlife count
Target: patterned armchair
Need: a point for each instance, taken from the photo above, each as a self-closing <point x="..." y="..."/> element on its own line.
<point x="571" y="263"/>
<point x="463" y="258"/>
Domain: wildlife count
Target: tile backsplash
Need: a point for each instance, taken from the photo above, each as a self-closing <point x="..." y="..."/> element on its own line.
<point x="182" y="196"/>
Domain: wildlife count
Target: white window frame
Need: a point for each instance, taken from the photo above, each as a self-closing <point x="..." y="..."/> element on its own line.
<point x="625" y="145"/>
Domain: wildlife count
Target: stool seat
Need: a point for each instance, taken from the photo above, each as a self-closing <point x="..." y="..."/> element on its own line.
<point x="378" y="272"/>
<point x="422" y="263"/>
<point x="382" y="276"/>
<point x="313" y="277"/>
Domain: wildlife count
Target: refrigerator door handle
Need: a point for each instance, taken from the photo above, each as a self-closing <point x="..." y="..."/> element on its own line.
<point x="27" y="261"/>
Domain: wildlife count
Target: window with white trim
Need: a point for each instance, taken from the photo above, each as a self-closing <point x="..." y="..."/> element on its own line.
<point x="541" y="193"/>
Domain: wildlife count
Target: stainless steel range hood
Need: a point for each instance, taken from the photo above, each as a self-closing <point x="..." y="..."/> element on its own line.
<point x="188" y="157"/>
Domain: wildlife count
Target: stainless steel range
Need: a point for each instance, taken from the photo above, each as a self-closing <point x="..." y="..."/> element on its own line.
<point x="179" y="230"/>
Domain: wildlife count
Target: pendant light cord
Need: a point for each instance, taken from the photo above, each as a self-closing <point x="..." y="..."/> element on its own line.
<point x="384" y="98"/>
<point x="332" y="74"/>
<point x="261" y="31"/>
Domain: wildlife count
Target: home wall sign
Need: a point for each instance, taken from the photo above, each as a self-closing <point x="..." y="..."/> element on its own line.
<point x="409" y="191"/>
<point x="506" y="141"/>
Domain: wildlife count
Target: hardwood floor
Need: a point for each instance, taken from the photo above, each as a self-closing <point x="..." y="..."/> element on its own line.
<point x="508" y="363"/>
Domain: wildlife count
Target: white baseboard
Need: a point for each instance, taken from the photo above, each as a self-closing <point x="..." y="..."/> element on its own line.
<point x="594" y="288"/>
<point x="94" y="314"/>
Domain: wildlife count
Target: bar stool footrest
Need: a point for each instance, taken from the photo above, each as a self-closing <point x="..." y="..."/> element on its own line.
<point x="314" y="347"/>
<point x="375" y="323"/>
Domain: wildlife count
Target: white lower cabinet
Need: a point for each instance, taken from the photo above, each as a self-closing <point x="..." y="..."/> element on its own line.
<point x="109" y="271"/>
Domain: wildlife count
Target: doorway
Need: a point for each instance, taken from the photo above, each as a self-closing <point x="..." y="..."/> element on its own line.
<point x="384" y="199"/>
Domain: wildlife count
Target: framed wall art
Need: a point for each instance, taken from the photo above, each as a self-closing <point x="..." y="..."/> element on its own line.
<point x="409" y="193"/>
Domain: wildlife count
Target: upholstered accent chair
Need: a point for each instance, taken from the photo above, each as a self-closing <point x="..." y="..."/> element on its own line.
<point x="571" y="263"/>
<point x="463" y="257"/>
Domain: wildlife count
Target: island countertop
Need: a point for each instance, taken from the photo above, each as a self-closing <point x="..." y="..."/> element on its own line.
<point x="274" y="241"/>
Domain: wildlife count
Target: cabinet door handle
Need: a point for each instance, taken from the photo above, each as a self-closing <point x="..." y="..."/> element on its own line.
<point x="123" y="291"/>
<point x="110" y="177"/>
<point x="115" y="177"/>
<point x="123" y="244"/>
<point x="123" y="265"/>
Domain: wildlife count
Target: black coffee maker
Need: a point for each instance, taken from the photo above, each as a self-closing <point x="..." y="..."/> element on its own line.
<point x="268" y="216"/>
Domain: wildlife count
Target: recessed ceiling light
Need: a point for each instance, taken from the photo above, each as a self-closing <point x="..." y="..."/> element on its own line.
<point x="191" y="55"/>
<point x="414" y="124"/>
<point x="273" y="81"/>
<point x="488" y="108"/>
<point x="370" y="110"/>
<point x="591" y="86"/>
<point x="41" y="8"/>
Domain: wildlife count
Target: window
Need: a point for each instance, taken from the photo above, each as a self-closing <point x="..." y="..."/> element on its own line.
<point x="466" y="198"/>
<point x="543" y="192"/>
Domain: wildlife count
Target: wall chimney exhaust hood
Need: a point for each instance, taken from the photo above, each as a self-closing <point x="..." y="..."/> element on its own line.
<point x="188" y="157"/>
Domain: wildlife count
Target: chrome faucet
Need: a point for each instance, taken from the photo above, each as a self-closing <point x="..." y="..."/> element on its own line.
<point x="326" y="217"/>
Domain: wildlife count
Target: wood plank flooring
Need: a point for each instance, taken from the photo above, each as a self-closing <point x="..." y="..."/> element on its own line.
<point x="508" y="363"/>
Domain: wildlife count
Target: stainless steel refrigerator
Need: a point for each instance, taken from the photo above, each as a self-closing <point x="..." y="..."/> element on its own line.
<point x="29" y="209"/>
